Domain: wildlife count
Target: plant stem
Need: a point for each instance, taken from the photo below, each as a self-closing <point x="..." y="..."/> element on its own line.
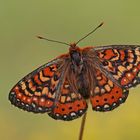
<point x="82" y="126"/>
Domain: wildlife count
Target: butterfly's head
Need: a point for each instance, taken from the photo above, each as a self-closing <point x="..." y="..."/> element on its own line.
<point x="73" y="45"/>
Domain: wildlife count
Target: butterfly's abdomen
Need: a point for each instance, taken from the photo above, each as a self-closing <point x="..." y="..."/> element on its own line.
<point x="84" y="91"/>
<point x="83" y="85"/>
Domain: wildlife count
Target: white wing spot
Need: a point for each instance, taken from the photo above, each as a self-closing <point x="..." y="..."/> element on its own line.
<point x="114" y="104"/>
<point x="65" y="116"/>
<point x="57" y="115"/>
<point x="106" y="106"/>
<point x="73" y="114"/>
<point x="98" y="107"/>
<point x="120" y="99"/>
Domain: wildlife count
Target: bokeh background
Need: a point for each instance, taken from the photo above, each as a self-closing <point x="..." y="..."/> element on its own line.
<point x="65" y="20"/>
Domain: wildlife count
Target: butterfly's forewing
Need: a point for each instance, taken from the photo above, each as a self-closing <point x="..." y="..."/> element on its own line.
<point x="122" y="61"/>
<point x="122" y="65"/>
<point x="36" y="91"/>
<point x="70" y="105"/>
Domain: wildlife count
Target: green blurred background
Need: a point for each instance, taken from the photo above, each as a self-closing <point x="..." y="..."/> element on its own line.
<point x="65" y="20"/>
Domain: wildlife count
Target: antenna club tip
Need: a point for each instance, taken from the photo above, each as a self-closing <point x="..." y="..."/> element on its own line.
<point x="101" y="24"/>
<point x="40" y="37"/>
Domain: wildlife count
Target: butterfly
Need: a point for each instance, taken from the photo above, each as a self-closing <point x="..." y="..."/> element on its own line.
<point x="64" y="86"/>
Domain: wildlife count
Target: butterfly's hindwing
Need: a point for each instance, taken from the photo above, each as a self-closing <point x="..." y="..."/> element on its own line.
<point x="70" y="105"/>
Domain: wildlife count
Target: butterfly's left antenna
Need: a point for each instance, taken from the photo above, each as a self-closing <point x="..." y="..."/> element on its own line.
<point x="40" y="37"/>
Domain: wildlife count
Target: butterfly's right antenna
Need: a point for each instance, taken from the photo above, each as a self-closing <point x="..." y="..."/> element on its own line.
<point x="89" y="33"/>
<point x="40" y="37"/>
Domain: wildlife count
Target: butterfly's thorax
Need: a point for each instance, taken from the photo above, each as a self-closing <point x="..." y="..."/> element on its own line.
<point x="76" y="58"/>
<point x="77" y="61"/>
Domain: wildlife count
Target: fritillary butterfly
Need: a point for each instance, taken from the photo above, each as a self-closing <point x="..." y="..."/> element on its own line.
<point x="62" y="87"/>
